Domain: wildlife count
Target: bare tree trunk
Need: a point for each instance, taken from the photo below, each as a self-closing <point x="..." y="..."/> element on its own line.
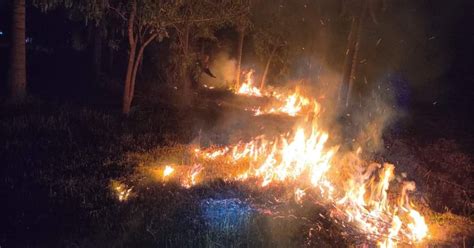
<point x="239" y="57"/>
<point x="267" y="67"/>
<point x="127" y="101"/>
<point x="356" y="45"/>
<point x="137" y="63"/>
<point x="353" y="73"/>
<point x="132" y="41"/>
<point x="348" y="63"/>
<point x="17" y="70"/>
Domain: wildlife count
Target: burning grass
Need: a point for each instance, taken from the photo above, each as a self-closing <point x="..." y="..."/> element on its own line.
<point x="87" y="193"/>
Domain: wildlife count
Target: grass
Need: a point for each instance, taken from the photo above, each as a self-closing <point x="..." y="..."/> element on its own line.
<point x="58" y="164"/>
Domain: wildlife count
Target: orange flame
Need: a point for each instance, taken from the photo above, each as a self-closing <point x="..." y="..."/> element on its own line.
<point x="247" y="88"/>
<point x="303" y="159"/>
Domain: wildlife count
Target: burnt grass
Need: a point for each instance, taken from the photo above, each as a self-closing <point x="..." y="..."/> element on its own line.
<point x="57" y="161"/>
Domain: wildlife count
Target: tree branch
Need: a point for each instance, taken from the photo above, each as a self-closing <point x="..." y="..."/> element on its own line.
<point x="131" y="20"/>
<point x="118" y="12"/>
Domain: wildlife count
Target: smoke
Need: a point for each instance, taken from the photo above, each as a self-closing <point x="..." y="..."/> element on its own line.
<point x="224" y="68"/>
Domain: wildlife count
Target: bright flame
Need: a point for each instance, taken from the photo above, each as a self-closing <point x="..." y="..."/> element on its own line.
<point x="247" y="88"/>
<point x="303" y="160"/>
<point x="291" y="103"/>
<point x="167" y="171"/>
<point x="299" y="194"/>
<point x="418" y="227"/>
<point x="191" y="179"/>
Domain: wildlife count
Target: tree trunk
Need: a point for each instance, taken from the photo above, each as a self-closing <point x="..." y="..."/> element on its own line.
<point x="17" y="70"/>
<point x="239" y="57"/>
<point x="267" y="67"/>
<point x="347" y="63"/>
<point x="353" y="73"/>
<point x="354" y="60"/>
<point x="132" y="41"/>
<point x="138" y="61"/>
<point x="127" y="101"/>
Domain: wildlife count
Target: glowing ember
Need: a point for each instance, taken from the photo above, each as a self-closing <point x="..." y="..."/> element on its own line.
<point x="121" y="190"/>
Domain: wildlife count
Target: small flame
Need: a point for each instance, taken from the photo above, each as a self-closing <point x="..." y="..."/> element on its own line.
<point x="299" y="194"/>
<point x="121" y="190"/>
<point x="247" y="88"/>
<point x="191" y="179"/>
<point x="167" y="171"/>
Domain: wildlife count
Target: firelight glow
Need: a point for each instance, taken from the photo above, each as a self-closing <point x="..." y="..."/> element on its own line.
<point x="305" y="158"/>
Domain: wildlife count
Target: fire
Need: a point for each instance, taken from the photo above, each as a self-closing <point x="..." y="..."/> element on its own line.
<point x="418" y="227"/>
<point x="304" y="160"/>
<point x="302" y="156"/>
<point x="367" y="205"/>
<point x="247" y="88"/>
<point x="299" y="194"/>
<point x="167" y="171"/>
<point x="191" y="179"/>
<point x="291" y="103"/>
<point x="121" y="190"/>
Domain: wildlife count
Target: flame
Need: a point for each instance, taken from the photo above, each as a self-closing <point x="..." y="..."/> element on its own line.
<point x="121" y="190"/>
<point x="286" y="158"/>
<point x="191" y="179"/>
<point x="247" y="88"/>
<point x="305" y="159"/>
<point x="167" y="171"/>
<point x="291" y="103"/>
<point x="299" y="194"/>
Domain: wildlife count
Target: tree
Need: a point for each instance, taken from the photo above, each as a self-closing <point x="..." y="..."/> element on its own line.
<point x="17" y="70"/>
<point x="271" y="35"/>
<point x="193" y="20"/>
<point x="143" y="25"/>
<point x="243" y="23"/>
<point x="268" y="44"/>
<point x="358" y="11"/>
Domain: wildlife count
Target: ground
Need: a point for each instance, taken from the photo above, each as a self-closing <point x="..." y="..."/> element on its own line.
<point x="59" y="162"/>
